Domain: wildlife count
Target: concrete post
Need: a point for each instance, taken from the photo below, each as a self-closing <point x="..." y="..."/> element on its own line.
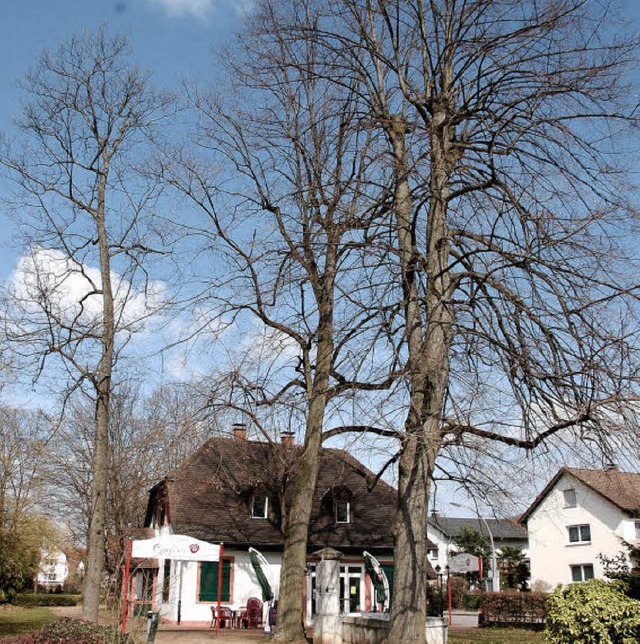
<point x="327" y="623"/>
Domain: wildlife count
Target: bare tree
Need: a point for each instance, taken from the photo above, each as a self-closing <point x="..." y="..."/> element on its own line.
<point x="508" y="123"/>
<point x="83" y="287"/>
<point x="290" y="184"/>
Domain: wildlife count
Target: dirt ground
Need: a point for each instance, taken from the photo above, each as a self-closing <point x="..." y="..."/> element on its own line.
<point x="170" y="633"/>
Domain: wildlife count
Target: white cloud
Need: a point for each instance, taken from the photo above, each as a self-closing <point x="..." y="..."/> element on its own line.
<point x="200" y="9"/>
<point x="48" y="279"/>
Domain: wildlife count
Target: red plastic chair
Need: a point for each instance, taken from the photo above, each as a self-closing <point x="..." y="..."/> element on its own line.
<point x="253" y="614"/>
<point x="226" y="618"/>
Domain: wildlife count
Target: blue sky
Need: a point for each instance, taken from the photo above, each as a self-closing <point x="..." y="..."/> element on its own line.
<point x="174" y="39"/>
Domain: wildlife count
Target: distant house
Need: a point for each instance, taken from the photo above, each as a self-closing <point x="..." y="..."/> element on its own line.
<point x="579" y="515"/>
<point x="443" y="531"/>
<point x="53" y="571"/>
<point x="232" y="491"/>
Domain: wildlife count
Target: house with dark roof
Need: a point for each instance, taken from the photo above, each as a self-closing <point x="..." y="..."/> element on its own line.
<point x="443" y="532"/>
<point x="234" y="491"/>
<point x="581" y="514"/>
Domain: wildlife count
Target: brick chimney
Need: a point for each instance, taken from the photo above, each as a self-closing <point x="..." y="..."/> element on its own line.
<point x="239" y="431"/>
<point x="287" y="439"/>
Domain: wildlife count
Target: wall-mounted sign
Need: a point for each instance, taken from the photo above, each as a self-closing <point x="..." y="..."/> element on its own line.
<point x="175" y="546"/>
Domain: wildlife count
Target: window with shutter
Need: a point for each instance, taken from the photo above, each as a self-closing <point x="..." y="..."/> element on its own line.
<point x="208" y="591"/>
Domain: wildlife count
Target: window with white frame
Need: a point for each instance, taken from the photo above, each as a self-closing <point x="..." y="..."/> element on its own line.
<point x="581" y="572"/>
<point x="259" y="506"/>
<point x="637" y="530"/>
<point x="570" y="500"/>
<point x="432" y="553"/>
<point x="579" y="533"/>
<point x="343" y="511"/>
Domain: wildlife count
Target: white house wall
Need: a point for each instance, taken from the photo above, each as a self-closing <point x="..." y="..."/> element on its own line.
<point x="244" y="585"/>
<point x="551" y="553"/>
<point x="54" y="569"/>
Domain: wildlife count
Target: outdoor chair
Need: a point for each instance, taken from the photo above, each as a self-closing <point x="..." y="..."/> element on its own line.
<point x="226" y="618"/>
<point x="253" y="614"/>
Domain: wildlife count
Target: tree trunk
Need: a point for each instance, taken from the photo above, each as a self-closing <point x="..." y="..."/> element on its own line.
<point x="294" y="557"/>
<point x="428" y="338"/>
<point x="97" y="520"/>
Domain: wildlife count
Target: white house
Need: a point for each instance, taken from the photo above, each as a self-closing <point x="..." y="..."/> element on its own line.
<point x="231" y="491"/>
<point x="579" y="515"/>
<point x="54" y="570"/>
<point x="443" y="531"/>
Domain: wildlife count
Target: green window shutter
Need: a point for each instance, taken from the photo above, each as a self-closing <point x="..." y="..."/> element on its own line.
<point x="209" y="581"/>
<point x="388" y="571"/>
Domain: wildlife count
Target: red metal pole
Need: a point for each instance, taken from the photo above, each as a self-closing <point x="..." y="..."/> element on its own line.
<point x="219" y="586"/>
<point x="125" y="588"/>
<point x="449" y="595"/>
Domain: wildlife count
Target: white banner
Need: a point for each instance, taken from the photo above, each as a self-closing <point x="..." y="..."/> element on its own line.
<point x="175" y="546"/>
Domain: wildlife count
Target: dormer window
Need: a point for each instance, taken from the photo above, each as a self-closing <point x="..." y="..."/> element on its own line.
<point x="259" y="506"/>
<point x="343" y="511"/>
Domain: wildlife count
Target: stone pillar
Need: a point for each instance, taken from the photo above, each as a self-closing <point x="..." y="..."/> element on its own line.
<point x="327" y="623"/>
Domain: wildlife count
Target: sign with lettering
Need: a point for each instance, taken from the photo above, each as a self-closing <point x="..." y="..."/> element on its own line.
<point x="175" y="546"/>
<point x="464" y="562"/>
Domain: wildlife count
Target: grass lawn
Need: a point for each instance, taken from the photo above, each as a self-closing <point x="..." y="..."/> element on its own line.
<point x="496" y="636"/>
<point x="14" y="620"/>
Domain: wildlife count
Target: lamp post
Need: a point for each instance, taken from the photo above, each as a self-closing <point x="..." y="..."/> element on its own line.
<point x="494" y="559"/>
<point x="440" y="574"/>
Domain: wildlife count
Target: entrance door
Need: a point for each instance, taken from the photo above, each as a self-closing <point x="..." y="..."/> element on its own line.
<point x="351" y="590"/>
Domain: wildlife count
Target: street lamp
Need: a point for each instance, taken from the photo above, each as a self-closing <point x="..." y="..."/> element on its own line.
<point x="440" y="574"/>
<point x="494" y="559"/>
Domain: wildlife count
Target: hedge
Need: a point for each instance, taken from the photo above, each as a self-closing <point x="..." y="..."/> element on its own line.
<point x="44" y="599"/>
<point x="514" y="608"/>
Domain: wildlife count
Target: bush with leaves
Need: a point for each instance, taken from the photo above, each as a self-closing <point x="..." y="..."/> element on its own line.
<point x="623" y="567"/>
<point x="592" y="611"/>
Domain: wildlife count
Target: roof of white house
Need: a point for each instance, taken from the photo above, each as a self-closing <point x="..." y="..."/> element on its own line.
<point x="500" y="528"/>
<point x="622" y="489"/>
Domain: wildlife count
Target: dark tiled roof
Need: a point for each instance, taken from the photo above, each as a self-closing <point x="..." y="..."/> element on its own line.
<point x="209" y="496"/>
<point x="505" y="529"/>
<point x="620" y="488"/>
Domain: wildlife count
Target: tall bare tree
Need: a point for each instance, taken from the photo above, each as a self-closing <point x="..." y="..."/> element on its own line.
<point x="290" y="185"/>
<point x="508" y="123"/>
<point x="82" y="289"/>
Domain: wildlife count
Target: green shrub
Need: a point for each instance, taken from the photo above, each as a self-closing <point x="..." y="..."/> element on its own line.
<point x="514" y="608"/>
<point x="44" y="599"/>
<point x="459" y="588"/>
<point x="472" y="601"/>
<point x="436" y="603"/>
<point x="592" y="611"/>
